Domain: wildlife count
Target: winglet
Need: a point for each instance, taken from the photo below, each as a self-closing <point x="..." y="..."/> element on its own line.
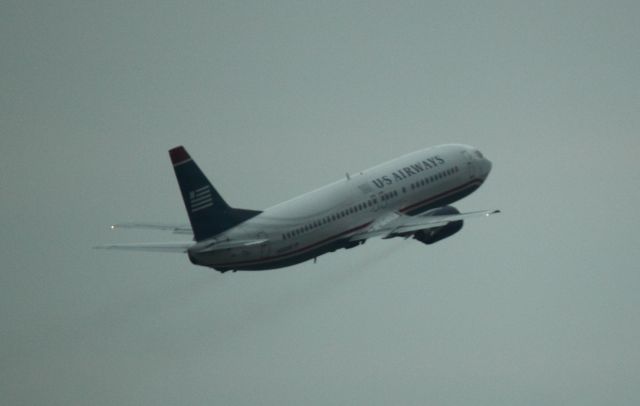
<point x="179" y="155"/>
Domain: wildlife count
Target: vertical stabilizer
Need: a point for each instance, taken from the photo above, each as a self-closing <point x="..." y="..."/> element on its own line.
<point x="208" y="213"/>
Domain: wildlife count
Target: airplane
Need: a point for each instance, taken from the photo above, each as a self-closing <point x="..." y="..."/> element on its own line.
<point x="406" y="197"/>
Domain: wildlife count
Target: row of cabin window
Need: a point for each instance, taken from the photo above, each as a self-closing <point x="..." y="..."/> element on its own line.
<point x="388" y="195"/>
<point x="435" y="177"/>
<point x="334" y="217"/>
<point x="369" y="203"/>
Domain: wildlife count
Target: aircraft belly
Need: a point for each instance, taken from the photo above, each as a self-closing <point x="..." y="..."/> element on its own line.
<point x="214" y="258"/>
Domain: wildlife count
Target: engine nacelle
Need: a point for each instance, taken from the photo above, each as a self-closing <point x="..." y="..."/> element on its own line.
<point x="436" y="234"/>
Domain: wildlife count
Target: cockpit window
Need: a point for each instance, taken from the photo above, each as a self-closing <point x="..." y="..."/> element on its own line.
<point x="479" y="154"/>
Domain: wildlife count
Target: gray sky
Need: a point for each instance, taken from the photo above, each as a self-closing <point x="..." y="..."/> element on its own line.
<point x="539" y="305"/>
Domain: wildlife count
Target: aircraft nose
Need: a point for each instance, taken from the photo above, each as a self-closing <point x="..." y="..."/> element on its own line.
<point x="485" y="166"/>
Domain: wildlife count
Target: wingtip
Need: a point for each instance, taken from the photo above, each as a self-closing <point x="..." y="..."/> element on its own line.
<point x="179" y="155"/>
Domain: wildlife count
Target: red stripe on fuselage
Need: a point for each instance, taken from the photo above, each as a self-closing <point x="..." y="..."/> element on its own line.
<point x="337" y="236"/>
<point x="293" y="253"/>
<point x="439" y="196"/>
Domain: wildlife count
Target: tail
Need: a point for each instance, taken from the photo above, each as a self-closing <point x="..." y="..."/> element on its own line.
<point x="208" y="213"/>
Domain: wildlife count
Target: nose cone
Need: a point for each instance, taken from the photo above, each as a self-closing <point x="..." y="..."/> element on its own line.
<point x="485" y="167"/>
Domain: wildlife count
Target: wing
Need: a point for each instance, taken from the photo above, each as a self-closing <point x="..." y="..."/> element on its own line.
<point x="396" y="223"/>
<point x="180" y="247"/>
<point x="175" y="228"/>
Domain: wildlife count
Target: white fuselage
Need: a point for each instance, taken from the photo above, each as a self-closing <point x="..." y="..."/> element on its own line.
<point x="323" y="220"/>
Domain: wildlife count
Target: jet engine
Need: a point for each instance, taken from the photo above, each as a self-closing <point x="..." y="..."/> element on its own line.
<point x="436" y="234"/>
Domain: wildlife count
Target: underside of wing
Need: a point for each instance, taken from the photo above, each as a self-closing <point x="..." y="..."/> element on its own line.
<point x="397" y="224"/>
<point x="426" y="221"/>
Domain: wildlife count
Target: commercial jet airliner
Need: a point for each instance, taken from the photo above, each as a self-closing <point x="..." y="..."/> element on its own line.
<point x="405" y="197"/>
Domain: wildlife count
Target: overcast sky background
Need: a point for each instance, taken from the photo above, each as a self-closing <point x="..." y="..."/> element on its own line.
<point x="538" y="305"/>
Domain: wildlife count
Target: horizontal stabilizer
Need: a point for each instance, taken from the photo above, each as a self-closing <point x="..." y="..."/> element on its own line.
<point x="210" y="246"/>
<point x="174" y="228"/>
<point x="177" y="247"/>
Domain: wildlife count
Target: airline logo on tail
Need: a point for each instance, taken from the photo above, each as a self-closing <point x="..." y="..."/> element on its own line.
<point x="200" y="199"/>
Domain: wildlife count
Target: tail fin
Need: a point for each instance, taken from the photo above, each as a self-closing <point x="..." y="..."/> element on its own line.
<point x="208" y="213"/>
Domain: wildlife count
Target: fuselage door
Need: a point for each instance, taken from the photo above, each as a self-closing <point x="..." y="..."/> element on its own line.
<point x="382" y="202"/>
<point x="265" y="247"/>
<point x="471" y="166"/>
